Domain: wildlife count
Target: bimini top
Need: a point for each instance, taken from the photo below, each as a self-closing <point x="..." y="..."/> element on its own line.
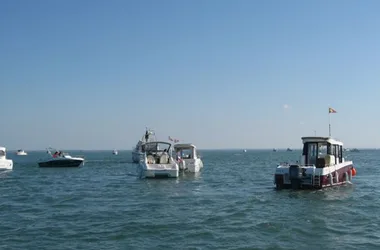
<point x="184" y="145"/>
<point x="157" y="146"/>
<point x="321" y="139"/>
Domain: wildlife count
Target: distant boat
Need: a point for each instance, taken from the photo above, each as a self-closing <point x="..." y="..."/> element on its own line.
<point x="355" y="150"/>
<point x="115" y="152"/>
<point x="274" y="150"/>
<point x="244" y="150"/>
<point x="289" y="150"/>
<point x="21" y="152"/>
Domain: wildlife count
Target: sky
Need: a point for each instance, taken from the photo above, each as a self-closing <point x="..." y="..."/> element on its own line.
<point x="92" y="74"/>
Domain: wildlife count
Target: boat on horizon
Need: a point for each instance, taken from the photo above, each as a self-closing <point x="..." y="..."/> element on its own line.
<point x="115" y="152"/>
<point x="322" y="165"/>
<point x="21" y="152"/>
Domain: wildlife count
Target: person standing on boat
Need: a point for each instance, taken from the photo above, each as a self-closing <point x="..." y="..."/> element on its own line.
<point x="146" y="136"/>
<point x="55" y="154"/>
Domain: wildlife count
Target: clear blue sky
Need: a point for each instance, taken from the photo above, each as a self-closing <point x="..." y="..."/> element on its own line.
<point x="91" y="74"/>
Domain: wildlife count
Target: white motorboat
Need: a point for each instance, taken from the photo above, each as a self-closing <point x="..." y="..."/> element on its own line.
<point x="5" y="164"/>
<point x="60" y="159"/>
<point x="115" y="152"/>
<point x="187" y="157"/>
<point x="158" y="162"/>
<point x="138" y="152"/>
<point x="322" y="165"/>
<point x="21" y="152"/>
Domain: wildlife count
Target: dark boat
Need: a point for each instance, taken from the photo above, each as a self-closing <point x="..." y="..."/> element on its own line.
<point x="60" y="159"/>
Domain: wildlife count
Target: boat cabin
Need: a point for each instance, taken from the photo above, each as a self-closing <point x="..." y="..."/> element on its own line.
<point x="157" y="152"/>
<point x="186" y="151"/>
<point x="3" y="153"/>
<point x="321" y="151"/>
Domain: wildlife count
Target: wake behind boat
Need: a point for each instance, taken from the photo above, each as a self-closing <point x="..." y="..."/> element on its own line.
<point x="60" y="159"/>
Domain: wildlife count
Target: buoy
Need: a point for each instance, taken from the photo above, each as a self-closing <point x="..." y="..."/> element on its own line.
<point x="353" y="171"/>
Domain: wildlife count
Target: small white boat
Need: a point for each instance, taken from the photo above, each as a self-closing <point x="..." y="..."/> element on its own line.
<point x="245" y="151"/>
<point x="187" y="157"/>
<point x="115" y="152"/>
<point x="21" y="152"/>
<point x="158" y="162"/>
<point x="60" y="159"/>
<point x="138" y="152"/>
<point x="5" y="164"/>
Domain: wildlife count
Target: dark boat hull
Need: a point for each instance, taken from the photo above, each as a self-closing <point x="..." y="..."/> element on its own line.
<point x="67" y="163"/>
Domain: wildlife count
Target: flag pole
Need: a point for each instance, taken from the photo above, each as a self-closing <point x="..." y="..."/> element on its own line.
<point x="329" y="124"/>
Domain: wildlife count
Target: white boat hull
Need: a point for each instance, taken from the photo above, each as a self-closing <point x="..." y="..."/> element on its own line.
<point x="191" y="165"/>
<point x="6" y="164"/>
<point x="158" y="170"/>
<point x="137" y="157"/>
<point x="23" y="153"/>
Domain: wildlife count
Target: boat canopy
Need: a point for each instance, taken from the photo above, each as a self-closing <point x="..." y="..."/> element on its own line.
<point x="319" y="139"/>
<point x="156" y="146"/>
<point x="184" y="146"/>
<point x="186" y="150"/>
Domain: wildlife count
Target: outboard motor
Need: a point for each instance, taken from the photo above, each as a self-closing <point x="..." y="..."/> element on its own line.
<point x="295" y="176"/>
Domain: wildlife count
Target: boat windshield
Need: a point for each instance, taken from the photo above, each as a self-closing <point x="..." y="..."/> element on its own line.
<point x="157" y="147"/>
<point x="2" y="153"/>
<point x="185" y="153"/>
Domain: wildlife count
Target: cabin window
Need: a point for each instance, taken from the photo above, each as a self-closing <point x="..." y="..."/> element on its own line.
<point x="340" y="154"/>
<point x="305" y="148"/>
<point x="322" y="150"/>
<point x="186" y="153"/>
<point x="312" y="156"/>
<point x="329" y="149"/>
<point x="337" y="156"/>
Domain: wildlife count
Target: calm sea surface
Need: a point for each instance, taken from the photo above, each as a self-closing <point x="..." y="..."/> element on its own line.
<point x="231" y="204"/>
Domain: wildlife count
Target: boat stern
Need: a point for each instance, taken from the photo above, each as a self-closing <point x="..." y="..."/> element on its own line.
<point x="158" y="170"/>
<point x="6" y="164"/>
<point x="297" y="177"/>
